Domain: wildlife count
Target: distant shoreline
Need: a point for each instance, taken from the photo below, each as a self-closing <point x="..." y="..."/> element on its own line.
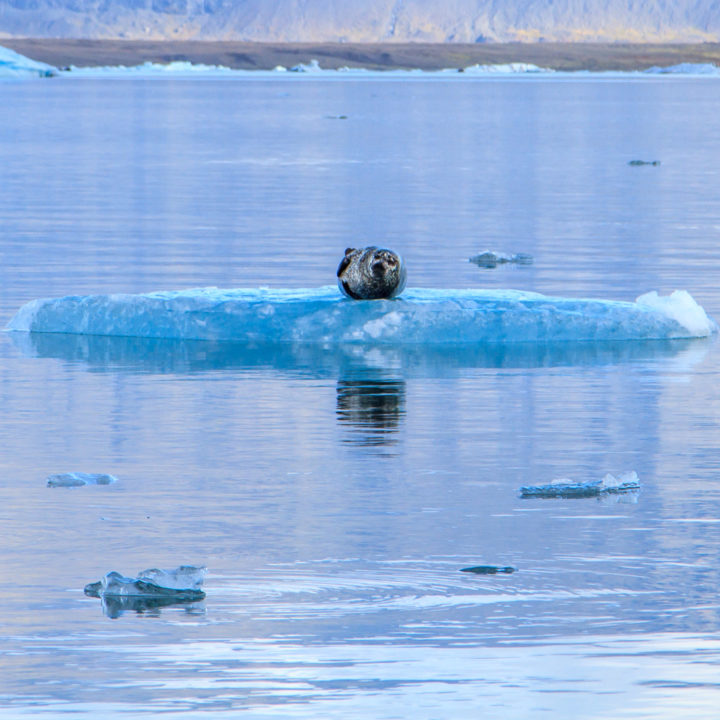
<point x="373" y="56"/>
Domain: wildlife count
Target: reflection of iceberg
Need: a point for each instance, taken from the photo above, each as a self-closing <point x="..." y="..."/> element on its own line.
<point x="322" y="316"/>
<point x="566" y="488"/>
<point x="167" y="356"/>
<point x="150" y="589"/>
<point x="79" y="479"/>
<point x="13" y="64"/>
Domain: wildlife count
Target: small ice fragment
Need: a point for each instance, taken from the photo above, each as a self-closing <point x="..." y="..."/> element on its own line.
<point x="625" y="481"/>
<point x="567" y="488"/>
<point x="78" y="479"/>
<point x="180" y="585"/>
<point x="491" y="259"/>
<point x="489" y="569"/>
<point x="312" y="67"/>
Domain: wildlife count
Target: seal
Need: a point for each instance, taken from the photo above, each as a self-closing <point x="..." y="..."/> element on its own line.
<point x="371" y="273"/>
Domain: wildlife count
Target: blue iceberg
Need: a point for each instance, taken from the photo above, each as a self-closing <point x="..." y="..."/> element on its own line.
<point x="15" y="65"/>
<point x="322" y="315"/>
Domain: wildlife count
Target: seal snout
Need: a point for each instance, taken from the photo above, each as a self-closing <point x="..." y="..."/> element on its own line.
<point x="379" y="267"/>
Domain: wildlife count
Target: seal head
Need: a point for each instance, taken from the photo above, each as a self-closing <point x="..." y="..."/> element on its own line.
<point x="371" y="273"/>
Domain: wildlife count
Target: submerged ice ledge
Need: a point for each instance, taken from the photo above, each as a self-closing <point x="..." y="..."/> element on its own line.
<point x="322" y="315"/>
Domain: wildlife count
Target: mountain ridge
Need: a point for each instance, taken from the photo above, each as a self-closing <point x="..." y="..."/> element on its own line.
<point x="366" y="21"/>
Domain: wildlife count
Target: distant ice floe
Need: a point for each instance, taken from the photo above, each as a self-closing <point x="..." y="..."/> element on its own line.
<point x="322" y="315"/>
<point x="491" y="259"/>
<point x="149" y="69"/>
<point x="149" y="590"/>
<point x="312" y="67"/>
<point x="79" y="479"/>
<point x="566" y="488"/>
<point x="14" y="65"/>
<point x="685" y="69"/>
<point x="505" y="69"/>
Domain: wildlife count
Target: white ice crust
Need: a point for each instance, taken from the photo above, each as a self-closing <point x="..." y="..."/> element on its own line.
<point x="322" y="315"/>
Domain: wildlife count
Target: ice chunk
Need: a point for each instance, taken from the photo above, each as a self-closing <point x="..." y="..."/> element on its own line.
<point x="505" y="69"/>
<point x="491" y="259"/>
<point x="312" y="67"/>
<point x="149" y="69"/>
<point x="321" y="315"/>
<point x="180" y="585"/>
<point x="685" y="69"/>
<point x="78" y="479"/>
<point x="567" y="488"/>
<point x="13" y="64"/>
<point x="681" y="307"/>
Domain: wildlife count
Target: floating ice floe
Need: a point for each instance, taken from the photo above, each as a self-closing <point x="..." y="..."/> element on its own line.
<point x="15" y="65"/>
<point x="685" y="69"/>
<point x="150" y="590"/>
<point x="322" y="315"/>
<point x="149" y="69"/>
<point x="567" y="488"/>
<point x="505" y="69"/>
<point x="180" y="585"/>
<point x="312" y="67"/>
<point x="491" y="259"/>
<point x="489" y="569"/>
<point x="78" y="479"/>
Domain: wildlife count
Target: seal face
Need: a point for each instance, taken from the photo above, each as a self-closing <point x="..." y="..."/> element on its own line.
<point x="371" y="273"/>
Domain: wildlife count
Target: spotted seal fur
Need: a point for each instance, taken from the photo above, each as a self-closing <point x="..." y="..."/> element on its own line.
<point x="371" y="273"/>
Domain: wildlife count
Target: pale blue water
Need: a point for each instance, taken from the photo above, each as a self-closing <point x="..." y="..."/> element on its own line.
<point x="334" y="494"/>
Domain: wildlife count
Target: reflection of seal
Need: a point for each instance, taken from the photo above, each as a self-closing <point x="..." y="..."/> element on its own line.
<point x="373" y="409"/>
<point x="371" y="273"/>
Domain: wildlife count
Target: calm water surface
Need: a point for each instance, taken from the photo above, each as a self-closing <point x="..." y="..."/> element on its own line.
<point x="335" y="493"/>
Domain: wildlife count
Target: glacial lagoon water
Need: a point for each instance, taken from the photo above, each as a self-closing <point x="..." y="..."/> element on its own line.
<point x="335" y="492"/>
